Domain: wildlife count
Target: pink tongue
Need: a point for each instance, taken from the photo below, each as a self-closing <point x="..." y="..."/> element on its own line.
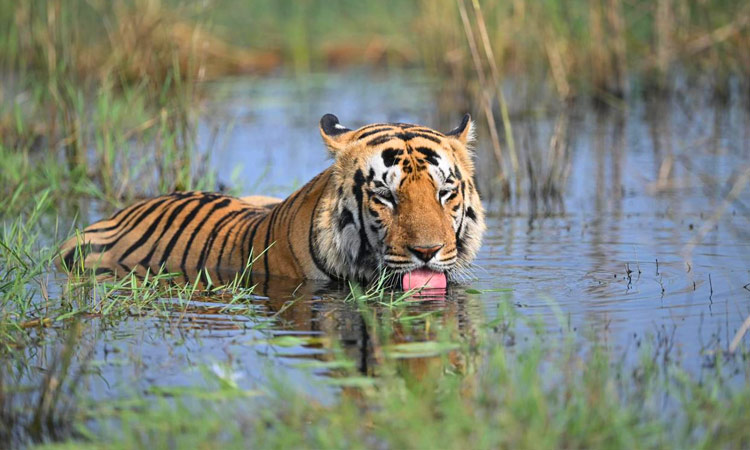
<point x="423" y="278"/>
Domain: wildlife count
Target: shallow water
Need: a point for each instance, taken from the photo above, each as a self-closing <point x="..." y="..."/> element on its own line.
<point x="638" y="244"/>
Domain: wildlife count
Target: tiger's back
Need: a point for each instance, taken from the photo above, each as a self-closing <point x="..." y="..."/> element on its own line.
<point x="186" y="232"/>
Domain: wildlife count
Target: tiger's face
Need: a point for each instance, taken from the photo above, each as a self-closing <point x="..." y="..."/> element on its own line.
<point x="404" y="200"/>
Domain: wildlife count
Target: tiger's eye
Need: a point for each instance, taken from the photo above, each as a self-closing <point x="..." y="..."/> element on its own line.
<point x="387" y="196"/>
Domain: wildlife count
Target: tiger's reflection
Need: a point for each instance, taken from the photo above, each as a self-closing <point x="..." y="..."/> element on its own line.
<point x="366" y="333"/>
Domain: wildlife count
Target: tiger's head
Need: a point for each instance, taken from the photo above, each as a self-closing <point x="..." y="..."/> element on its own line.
<point x="403" y="198"/>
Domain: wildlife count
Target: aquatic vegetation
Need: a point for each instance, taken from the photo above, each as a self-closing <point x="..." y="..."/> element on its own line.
<point x="450" y="390"/>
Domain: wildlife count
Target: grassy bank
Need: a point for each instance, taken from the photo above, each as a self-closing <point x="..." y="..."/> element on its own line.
<point x="580" y="46"/>
<point x="96" y="100"/>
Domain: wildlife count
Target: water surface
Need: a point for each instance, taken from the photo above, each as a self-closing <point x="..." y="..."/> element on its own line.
<point x="646" y="239"/>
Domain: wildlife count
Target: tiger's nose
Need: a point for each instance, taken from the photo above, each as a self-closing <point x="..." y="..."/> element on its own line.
<point x="425" y="252"/>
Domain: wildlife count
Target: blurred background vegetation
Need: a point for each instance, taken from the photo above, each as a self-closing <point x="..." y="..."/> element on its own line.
<point x="107" y="89"/>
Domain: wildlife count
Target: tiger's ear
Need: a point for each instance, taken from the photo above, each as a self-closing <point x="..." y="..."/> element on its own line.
<point x="464" y="132"/>
<point x="335" y="136"/>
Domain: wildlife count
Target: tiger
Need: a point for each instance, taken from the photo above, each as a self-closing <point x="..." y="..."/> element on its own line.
<point x="398" y="198"/>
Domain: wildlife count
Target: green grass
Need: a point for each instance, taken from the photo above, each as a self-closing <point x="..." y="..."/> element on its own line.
<point x="540" y="395"/>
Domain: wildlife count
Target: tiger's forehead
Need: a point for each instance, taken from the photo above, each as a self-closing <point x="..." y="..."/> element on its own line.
<point x="397" y="164"/>
<point x="393" y="153"/>
<point x="407" y="145"/>
<point x="380" y="133"/>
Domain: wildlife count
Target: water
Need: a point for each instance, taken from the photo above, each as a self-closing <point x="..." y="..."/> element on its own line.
<point x="637" y="244"/>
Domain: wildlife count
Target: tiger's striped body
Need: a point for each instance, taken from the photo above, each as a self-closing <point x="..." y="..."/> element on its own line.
<point x="340" y="225"/>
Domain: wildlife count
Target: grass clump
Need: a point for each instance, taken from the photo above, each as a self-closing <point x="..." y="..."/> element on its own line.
<point x="580" y="46"/>
<point x="98" y="101"/>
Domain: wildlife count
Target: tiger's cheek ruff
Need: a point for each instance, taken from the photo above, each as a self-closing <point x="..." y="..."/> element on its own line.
<point x="471" y="227"/>
<point x="339" y="233"/>
<point x="351" y="230"/>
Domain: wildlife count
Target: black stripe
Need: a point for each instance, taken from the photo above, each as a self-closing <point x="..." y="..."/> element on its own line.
<point x="135" y="221"/>
<point x="146" y="261"/>
<point x="419" y="129"/>
<point x="379" y="140"/>
<point x="240" y="221"/>
<point x="375" y="131"/>
<point x="132" y="210"/>
<point x="287" y="204"/>
<point x="212" y="237"/>
<point x="103" y="271"/>
<point x="346" y="218"/>
<point x="125" y="268"/>
<point x="309" y="187"/>
<point x="69" y="258"/>
<point x="375" y="125"/>
<point x="202" y="201"/>
<point x="459" y="242"/>
<point x="251" y="248"/>
<point x="430" y="154"/>
<point x="223" y="203"/>
<point x="269" y="230"/>
<point x="389" y="156"/>
<point x="379" y="202"/>
<point x="226" y="220"/>
<point x="150" y="231"/>
<point x="311" y="238"/>
<point x="358" y="191"/>
<point x="406" y="136"/>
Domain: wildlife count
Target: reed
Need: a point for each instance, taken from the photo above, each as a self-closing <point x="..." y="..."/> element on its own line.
<point x="120" y="111"/>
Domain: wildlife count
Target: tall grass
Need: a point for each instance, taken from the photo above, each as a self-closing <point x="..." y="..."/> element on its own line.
<point x="102" y="97"/>
<point x="112" y="86"/>
<point x="581" y="46"/>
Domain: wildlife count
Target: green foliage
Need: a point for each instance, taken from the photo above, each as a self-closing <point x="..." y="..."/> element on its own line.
<point x="539" y="396"/>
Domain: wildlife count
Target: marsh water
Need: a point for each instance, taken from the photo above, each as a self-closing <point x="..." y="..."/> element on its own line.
<point x="649" y="237"/>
